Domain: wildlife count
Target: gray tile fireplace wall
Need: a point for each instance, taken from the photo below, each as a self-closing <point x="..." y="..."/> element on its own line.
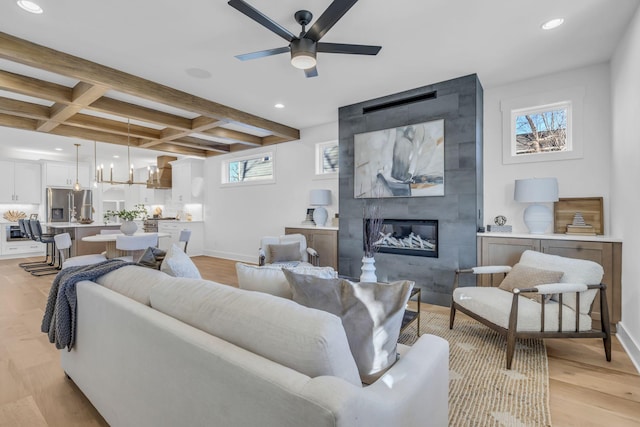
<point x="459" y="211"/>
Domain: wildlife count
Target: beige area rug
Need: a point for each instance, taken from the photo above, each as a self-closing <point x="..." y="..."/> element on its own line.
<point x="482" y="392"/>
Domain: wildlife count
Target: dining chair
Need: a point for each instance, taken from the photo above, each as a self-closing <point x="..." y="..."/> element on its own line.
<point x="63" y="244"/>
<point x="135" y="245"/>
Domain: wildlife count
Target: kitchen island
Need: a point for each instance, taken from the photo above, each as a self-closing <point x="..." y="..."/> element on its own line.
<point x="78" y="231"/>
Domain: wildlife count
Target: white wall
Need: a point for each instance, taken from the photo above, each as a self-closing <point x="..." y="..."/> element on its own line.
<point x="237" y="217"/>
<point x="625" y="194"/>
<point x="585" y="177"/>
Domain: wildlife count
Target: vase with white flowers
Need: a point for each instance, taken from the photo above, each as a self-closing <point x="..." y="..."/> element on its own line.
<point x="127" y="216"/>
<point x="372" y="213"/>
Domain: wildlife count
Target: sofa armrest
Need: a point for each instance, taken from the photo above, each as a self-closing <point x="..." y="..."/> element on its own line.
<point x="314" y="257"/>
<point x="416" y="385"/>
<point x="491" y="269"/>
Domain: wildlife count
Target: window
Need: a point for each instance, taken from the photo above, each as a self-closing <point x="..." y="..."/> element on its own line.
<point x="249" y="169"/>
<point x="541" y="130"/>
<point x="327" y="158"/>
<point x="543" y="127"/>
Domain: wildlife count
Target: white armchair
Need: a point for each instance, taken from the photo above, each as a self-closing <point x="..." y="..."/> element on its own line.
<point x="288" y="248"/>
<point x="551" y="310"/>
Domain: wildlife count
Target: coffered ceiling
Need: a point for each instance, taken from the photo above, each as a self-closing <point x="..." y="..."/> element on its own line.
<point x="82" y="69"/>
<point x="91" y="107"/>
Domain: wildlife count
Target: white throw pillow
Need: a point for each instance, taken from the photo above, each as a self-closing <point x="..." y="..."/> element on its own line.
<point x="270" y="278"/>
<point x="178" y="264"/>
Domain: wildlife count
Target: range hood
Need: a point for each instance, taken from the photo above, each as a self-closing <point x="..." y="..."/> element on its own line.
<point x="160" y="178"/>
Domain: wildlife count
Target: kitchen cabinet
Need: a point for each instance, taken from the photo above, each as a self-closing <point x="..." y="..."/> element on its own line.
<point x="21" y="182"/>
<point x="196" y="241"/>
<point x="19" y="248"/>
<point x="63" y="174"/>
<point x="187" y="180"/>
<point x="323" y="240"/>
<point x="496" y="249"/>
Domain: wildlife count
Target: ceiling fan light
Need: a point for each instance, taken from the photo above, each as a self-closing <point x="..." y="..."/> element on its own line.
<point x="303" y="61"/>
<point x="303" y="53"/>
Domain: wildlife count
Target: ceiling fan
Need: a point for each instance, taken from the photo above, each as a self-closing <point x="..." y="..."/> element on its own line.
<point x="304" y="47"/>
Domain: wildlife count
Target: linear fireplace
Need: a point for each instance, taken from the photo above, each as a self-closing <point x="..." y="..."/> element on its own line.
<point x="417" y="237"/>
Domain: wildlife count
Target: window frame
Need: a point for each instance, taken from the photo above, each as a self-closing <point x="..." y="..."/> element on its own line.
<point x="570" y="98"/>
<point x="319" y="159"/>
<point x="224" y="178"/>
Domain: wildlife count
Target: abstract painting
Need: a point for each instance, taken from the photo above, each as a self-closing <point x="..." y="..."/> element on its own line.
<point x="406" y="161"/>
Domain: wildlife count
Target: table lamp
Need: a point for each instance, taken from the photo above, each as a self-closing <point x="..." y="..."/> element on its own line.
<point x="537" y="217"/>
<point x="320" y="198"/>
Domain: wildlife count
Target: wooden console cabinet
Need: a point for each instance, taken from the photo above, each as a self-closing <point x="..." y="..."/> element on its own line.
<point x="323" y="240"/>
<point x="505" y="249"/>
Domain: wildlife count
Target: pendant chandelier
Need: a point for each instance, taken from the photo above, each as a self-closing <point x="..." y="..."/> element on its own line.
<point x="76" y="186"/>
<point x="130" y="181"/>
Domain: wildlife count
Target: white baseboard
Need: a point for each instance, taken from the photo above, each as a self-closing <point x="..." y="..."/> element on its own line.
<point x="630" y="346"/>
<point x="233" y="256"/>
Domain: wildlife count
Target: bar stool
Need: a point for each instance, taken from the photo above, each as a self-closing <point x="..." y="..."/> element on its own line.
<point x="38" y="236"/>
<point x="26" y="230"/>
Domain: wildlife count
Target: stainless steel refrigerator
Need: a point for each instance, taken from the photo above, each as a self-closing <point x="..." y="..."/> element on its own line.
<point x="64" y="204"/>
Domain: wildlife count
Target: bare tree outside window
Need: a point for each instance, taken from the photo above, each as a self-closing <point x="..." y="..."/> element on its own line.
<point x="327" y="158"/>
<point x="541" y="131"/>
<point x="250" y="169"/>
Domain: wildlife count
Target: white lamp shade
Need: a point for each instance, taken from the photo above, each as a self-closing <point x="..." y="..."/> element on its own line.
<point x="320" y="197"/>
<point x="536" y="190"/>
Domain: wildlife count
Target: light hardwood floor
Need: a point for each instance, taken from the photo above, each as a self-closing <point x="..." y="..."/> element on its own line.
<point x="585" y="390"/>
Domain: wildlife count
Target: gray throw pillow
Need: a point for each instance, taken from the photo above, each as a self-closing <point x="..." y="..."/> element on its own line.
<point x="522" y="277"/>
<point x="152" y="258"/>
<point x="371" y="315"/>
<point x="284" y="252"/>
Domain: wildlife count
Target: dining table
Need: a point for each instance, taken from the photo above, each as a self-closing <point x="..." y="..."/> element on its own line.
<point x="110" y="242"/>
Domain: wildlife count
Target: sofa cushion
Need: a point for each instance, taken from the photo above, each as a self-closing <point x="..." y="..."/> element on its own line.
<point x="178" y="264"/>
<point x="575" y="271"/>
<point x="312" y="342"/>
<point x="133" y="281"/>
<point x="270" y="278"/>
<point x="522" y="277"/>
<point x="371" y="314"/>
<point x="494" y="304"/>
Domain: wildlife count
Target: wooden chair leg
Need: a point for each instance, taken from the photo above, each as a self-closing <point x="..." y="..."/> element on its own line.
<point x="452" y="315"/>
<point x="511" y="347"/>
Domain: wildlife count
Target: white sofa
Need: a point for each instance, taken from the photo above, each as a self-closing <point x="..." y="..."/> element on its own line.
<point x="140" y="363"/>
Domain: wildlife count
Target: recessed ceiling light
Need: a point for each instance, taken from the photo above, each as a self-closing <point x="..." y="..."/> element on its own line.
<point x="552" y="23"/>
<point x="116" y="157"/>
<point x="279" y="105"/>
<point x="58" y="149"/>
<point x="198" y="73"/>
<point x="30" y="6"/>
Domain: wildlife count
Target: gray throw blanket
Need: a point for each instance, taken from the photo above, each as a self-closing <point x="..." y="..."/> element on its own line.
<point x="59" y="320"/>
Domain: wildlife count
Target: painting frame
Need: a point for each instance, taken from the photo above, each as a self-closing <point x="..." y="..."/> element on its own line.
<point x="404" y="161"/>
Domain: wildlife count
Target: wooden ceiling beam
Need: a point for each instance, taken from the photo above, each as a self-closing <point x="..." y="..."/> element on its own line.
<point x="112" y="126"/>
<point x="211" y="145"/>
<point x="187" y="151"/>
<point x="23" y="109"/>
<point x="35" y="88"/>
<point x="198" y="124"/>
<point x="18" y="122"/>
<point x="233" y="136"/>
<point x="37" y="56"/>
<point x="132" y="111"/>
<point x="83" y="95"/>
<point x="200" y="147"/>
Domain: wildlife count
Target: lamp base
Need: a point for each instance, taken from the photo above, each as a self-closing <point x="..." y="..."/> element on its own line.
<point x="538" y="218"/>
<point x="320" y="216"/>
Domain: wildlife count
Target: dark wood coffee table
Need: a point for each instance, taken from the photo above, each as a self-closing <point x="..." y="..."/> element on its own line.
<point x="411" y="316"/>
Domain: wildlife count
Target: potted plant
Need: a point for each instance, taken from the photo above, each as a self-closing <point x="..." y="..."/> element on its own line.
<point x="128" y="227"/>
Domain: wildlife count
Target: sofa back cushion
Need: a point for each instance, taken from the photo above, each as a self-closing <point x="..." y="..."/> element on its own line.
<point x="309" y="341"/>
<point x="575" y="271"/>
<point x="133" y="281"/>
<point x="270" y="278"/>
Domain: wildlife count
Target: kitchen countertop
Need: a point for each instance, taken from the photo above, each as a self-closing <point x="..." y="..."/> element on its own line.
<point x="78" y="225"/>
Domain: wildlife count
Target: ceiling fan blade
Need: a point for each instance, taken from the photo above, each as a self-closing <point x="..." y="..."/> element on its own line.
<point x="261" y="19"/>
<point x="355" y="49"/>
<point x="334" y="12"/>
<point x="262" y="53"/>
<point x="311" y="72"/>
